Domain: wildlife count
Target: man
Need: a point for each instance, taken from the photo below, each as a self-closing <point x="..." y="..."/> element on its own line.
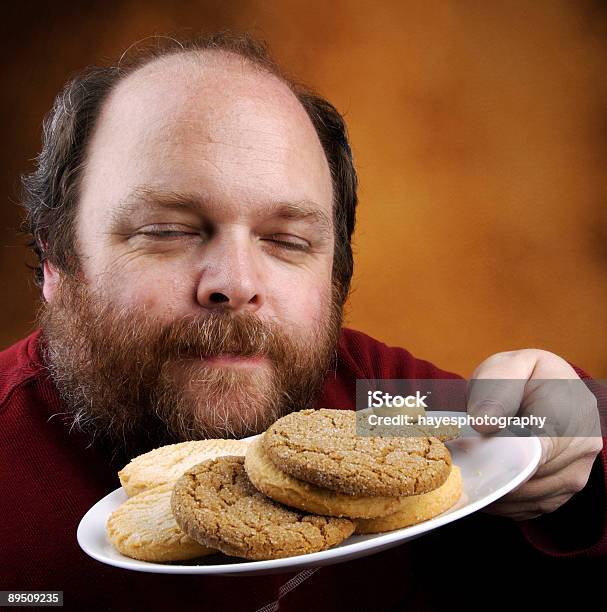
<point x="192" y="213"/>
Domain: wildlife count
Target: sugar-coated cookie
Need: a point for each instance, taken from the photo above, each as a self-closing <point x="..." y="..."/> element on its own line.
<point x="217" y="505"/>
<point x="321" y="447"/>
<point x="286" y="489"/>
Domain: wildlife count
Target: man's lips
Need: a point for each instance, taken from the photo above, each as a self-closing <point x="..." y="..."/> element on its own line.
<point x="228" y="359"/>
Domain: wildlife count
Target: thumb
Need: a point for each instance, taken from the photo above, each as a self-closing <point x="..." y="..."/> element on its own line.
<point x="493" y="399"/>
<point x="496" y="390"/>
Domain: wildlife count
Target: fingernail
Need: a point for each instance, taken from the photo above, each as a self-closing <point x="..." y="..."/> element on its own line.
<point x="488" y="407"/>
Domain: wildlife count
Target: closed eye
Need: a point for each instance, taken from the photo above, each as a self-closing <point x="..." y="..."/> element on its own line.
<point x="158" y="233"/>
<point x="290" y="245"/>
<point x="167" y="234"/>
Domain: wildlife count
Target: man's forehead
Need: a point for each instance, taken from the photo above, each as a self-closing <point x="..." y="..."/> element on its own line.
<point x="202" y="84"/>
<point x="206" y="125"/>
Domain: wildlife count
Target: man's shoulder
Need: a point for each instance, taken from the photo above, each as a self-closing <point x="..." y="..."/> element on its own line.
<point x="19" y="363"/>
<point x="372" y="358"/>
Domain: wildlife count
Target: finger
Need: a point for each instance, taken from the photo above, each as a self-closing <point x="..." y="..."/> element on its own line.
<point x="514" y="515"/>
<point x="497" y="386"/>
<point x="493" y="399"/>
<point x="582" y="450"/>
<point x="517" y="509"/>
<point x="568" y="481"/>
<point x="549" y="366"/>
<point x="524" y="516"/>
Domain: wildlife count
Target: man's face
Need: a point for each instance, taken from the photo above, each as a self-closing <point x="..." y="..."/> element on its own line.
<point x="205" y="240"/>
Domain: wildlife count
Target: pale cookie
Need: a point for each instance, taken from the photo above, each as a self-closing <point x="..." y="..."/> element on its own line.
<point x="321" y="447"/>
<point x="217" y="505"/>
<point x="296" y="493"/>
<point x="143" y="528"/>
<point x="168" y="463"/>
<point x="417" y="508"/>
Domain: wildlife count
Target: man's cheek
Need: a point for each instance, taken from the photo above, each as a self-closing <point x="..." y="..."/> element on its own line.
<point x="303" y="303"/>
<point x="159" y="292"/>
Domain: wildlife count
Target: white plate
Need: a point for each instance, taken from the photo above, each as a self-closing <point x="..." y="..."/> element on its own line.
<point x="491" y="467"/>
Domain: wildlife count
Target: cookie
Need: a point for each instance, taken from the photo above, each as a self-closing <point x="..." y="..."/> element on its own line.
<point x="417" y="508"/>
<point x="286" y="489"/>
<point x="321" y="447"/>
<point x="444" y="432"/>
<point x="168" y="463"/>
<point x="216" y="504"/>
<point x="143" y="528"/>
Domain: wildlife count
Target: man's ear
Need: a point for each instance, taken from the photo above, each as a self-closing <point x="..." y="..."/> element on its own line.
<point x="51" y="280"/>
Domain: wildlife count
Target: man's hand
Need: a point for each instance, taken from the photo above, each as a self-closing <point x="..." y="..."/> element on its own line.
<point x="529" y="388"/>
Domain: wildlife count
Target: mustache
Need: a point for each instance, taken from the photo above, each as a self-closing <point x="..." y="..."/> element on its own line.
<point x="220" y="333"/>
<point x="148" y="339"/>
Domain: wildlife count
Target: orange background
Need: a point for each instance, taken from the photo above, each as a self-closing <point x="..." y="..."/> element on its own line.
<point x="480" y="134"/>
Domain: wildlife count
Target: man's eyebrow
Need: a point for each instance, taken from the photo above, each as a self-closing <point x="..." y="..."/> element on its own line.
<point x="149" y="198"/>
<point x="301" y="211"/>
<point x="146" y="198"/>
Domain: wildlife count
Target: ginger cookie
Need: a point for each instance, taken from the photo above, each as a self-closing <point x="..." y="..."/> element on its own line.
<point x="443" y="432"/>
<point x="143" y="528"/>
<point x="321" y="447"/>
<point x="168" y="463"/>
<point x="286" y="489"/>
<point x="417" y="508"/>
<point x="216" y="504"/>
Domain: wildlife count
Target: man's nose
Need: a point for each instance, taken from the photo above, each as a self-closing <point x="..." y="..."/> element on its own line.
<point x="230" y="278"/>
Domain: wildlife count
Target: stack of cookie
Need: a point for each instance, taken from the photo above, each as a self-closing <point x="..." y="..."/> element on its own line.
<point x="306" y="484"/>
<point x="313" y="460"/>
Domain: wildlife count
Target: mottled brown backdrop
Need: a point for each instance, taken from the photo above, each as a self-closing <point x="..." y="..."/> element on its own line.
<point x="480" y="135"/>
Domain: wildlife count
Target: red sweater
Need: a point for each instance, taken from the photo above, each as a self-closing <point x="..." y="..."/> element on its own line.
<point x="49" y="479"/>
